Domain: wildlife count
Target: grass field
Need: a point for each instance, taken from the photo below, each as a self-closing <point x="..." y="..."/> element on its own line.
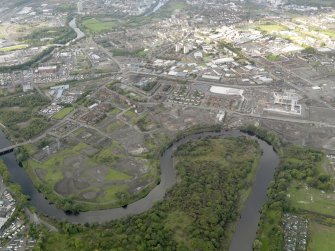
<point x="110" y="193"/>
<point x="312" y="199"/>
<point x="117" y="175"/>
<point x="271" y="27"/>
<point x="14" y="47"/>
<point x="62" y="113"/>
<point x="171" y="7"/>
<point x="322" y="238"/>
<point x="330" y="33"/>
<point x="273" y="57"/>
<point x="97" y="26"/>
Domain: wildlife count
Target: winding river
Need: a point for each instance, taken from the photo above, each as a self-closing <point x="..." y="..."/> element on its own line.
<point x="159" y="4"/>
<point x="246" y="227"/>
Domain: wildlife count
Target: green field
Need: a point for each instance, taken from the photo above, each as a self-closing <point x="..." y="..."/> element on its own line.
<point x="169" y="8"/>
<point x="322" y="238"/>
<point x="117" y="175"/>
<point x="271" y="28"/>
<point x="62" y="113"/>
<point x="330" y="33"/>
<point x="273" y="57"/>
<point x="110" y="194"/>
<point x="312" y="199"/>
<point x="14" y="47"/>
<point x="97" y="26"/>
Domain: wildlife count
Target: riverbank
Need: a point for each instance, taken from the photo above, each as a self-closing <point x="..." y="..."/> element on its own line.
<point x="168" y="180"/>
<point x="198" y="207"/>
<point x="298" y="165"/>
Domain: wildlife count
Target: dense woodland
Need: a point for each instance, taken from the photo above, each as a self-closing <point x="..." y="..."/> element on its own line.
<point x="197" y="213"/>
<point x="60" y="35"/>
<point x="14" y="110"/>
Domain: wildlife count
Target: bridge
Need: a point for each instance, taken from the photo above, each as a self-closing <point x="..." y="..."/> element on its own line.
<point x="11" y="148"/>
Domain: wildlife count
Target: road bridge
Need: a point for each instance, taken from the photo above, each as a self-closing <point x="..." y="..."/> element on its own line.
<point x="9" y="149"/>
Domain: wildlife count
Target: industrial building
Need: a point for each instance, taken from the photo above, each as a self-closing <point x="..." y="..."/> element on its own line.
<point x="286" y="102"/>
<point x="47" y="69"/>
<point x="57" y="91"/>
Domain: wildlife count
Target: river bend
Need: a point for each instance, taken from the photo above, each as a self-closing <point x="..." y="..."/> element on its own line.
<point x="250" y="215"/>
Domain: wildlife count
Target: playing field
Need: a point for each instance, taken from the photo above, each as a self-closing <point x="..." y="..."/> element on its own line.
<point x="312" y="199"/>
<point x="322" y="238"/>
<point x="62" y="113"/>
<point x="97" y="26"/>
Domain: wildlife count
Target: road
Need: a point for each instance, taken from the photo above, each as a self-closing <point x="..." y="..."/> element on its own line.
<point x="164" y="76"/>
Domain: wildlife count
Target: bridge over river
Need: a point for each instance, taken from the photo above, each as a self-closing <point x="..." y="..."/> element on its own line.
<point x="10" y="148"/>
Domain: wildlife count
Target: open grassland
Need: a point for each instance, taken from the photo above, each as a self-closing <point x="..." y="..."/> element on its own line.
<point x="330" y="33"/>
<point x="171" y="7"/>
<point x="312" y="199"/>
<point x="63" y="113"/>
<point x="271" y="28"/>
<point x="14" y="48"/>
<point x="95" y="25"/>
<point x="99" y="25"/>
<point x="322" y="238"/>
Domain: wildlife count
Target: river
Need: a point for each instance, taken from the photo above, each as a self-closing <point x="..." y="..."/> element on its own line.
<point x="80" y="34"/>
<point x="246" y="227"/>
<point x="160" y="4"/>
